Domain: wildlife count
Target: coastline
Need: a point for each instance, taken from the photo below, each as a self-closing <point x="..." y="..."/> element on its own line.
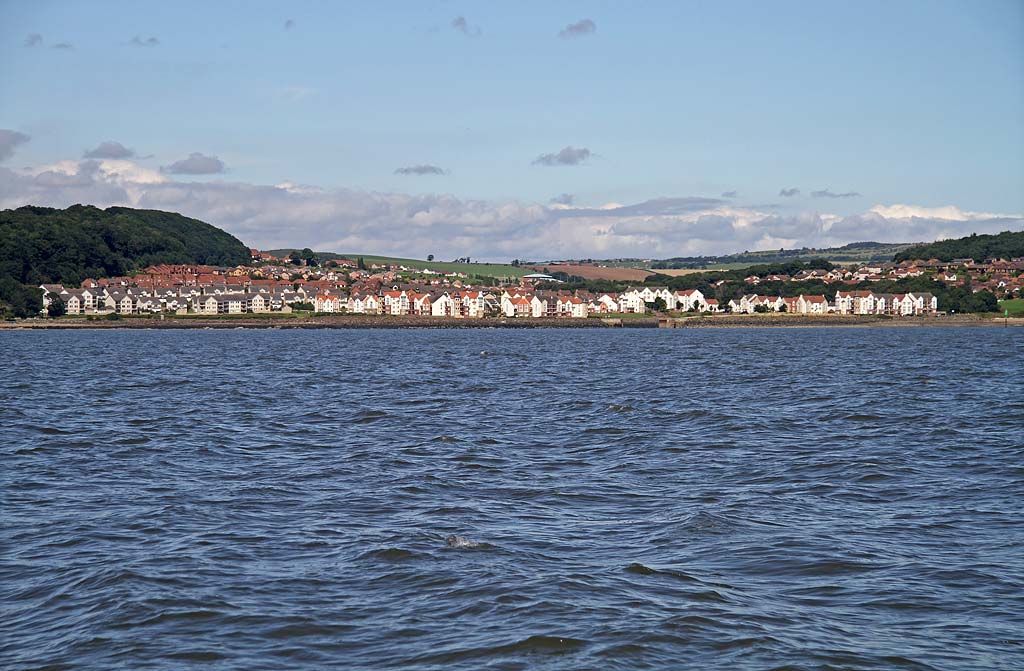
<point x="405" y="322"/>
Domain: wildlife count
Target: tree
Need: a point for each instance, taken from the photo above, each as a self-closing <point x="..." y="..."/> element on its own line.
<point x="361" y="263"/>
<point x="657" y="305"/>
<point x="430" y="257"/>
<point x="515" y="263"/>
<point x="295" y="257"/>
<point x="20" y="301"/>
<point x="309" y="257"/>
<point x="56" y="308"/>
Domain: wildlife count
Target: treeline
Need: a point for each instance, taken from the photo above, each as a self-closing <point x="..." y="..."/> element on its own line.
<point x="951" y="298"/>
<point x="43" y="245"/>
<point x="1006" y="245"/>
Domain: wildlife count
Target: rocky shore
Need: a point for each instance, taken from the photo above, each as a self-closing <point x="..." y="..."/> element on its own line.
<point x="389" y="322"/>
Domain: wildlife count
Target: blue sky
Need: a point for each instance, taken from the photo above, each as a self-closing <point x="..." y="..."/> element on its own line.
<point x="915" y="103"/>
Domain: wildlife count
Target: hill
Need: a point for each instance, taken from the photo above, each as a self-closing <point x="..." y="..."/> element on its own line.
<point x="855" y="252"/>
<point x="1006" y="245"/>
<point x="498" y="270"/>
<point x="42" y="245"/>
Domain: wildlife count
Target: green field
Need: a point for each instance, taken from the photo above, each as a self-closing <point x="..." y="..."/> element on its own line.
<point x="1015" y="305"/>
<point x="489" y="269"/>
<point x="498" y="270"/>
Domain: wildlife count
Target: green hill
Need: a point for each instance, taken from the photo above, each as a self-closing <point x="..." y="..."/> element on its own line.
<point x="855" y="252"/>
<point x="41" y="244"/>
<point x="1006" y="245"/>
<point x="487" y="269"/>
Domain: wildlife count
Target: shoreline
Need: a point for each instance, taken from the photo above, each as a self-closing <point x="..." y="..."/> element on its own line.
<point x="388" y="322"/>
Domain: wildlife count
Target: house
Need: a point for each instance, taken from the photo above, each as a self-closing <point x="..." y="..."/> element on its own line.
<point x="123" y="303"/>
<point x="472" y="303"/>
<point x="51" y="290"/>
<point x="651" y="294"/>
<point x="516" y="306"/>
<point x="571" y="306"/>
<point x="631" y="301"/>
<point x="232" y="304"/>
<point x="924" y="302"/>
<point x="325" y="302"/>
<point x="854" y="302"/>
<point x="691" y="299"/>
<point x="607" y="303"/>
<point x="544" y="304"/>
<point x="443" y="305"/>
<point x="811" y="305"/>
<point x="74" y="304"/>
<point x="260" y="302"/>
<point x="420" y="304"/>
<point x="396" y="302"/>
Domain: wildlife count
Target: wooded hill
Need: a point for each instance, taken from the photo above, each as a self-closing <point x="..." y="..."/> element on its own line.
<point x="42" y="244"/>
<point x="1006" y="245"/>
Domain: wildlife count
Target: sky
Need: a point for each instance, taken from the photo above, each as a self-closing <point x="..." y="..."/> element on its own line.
<point x="531" y="130"/>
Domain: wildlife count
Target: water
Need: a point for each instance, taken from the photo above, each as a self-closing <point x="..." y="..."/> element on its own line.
<point x="619" y="499"/>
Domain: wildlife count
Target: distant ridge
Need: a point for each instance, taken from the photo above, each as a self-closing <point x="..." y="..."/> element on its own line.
<point x="854" y="252"/>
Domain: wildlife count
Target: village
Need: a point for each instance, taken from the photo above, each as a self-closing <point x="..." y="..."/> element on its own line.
<point x="343" y="286"/>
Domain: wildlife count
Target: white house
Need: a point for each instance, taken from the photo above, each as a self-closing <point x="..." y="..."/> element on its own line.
<point x="811" y="305"/>
<point x="443" y="306"/>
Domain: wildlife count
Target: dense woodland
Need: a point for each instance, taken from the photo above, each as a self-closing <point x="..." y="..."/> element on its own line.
<point x="42" y="245"/>
<point x="1006" y="245"/>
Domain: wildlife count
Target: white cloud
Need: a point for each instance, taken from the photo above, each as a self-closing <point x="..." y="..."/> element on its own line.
<point x="351" y="221"/>
<point x="950" y="212"/>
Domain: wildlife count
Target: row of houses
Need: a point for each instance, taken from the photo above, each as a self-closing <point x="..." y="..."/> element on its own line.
<point x="135" y="300"/>
<point x="421" y="300"/>
<point x="845" y="302"/>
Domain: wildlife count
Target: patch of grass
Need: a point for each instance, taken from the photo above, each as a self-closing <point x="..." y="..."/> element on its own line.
<point x="1014" y="305"/>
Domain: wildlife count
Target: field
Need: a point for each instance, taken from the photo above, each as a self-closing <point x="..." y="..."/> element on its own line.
<point x="1014" y="305"/>
<point x="488" y="269"/>
<point x="591" y="272"/>
<point x="678" y="272"/>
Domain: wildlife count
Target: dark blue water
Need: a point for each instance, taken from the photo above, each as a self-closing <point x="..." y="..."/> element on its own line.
<point x="623" y="499"/>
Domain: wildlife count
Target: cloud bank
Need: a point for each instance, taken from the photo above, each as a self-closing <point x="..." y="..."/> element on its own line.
<point x="351" y="221"/>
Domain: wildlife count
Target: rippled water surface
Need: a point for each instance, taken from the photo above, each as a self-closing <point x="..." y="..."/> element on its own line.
<point x="556" y="499"/>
